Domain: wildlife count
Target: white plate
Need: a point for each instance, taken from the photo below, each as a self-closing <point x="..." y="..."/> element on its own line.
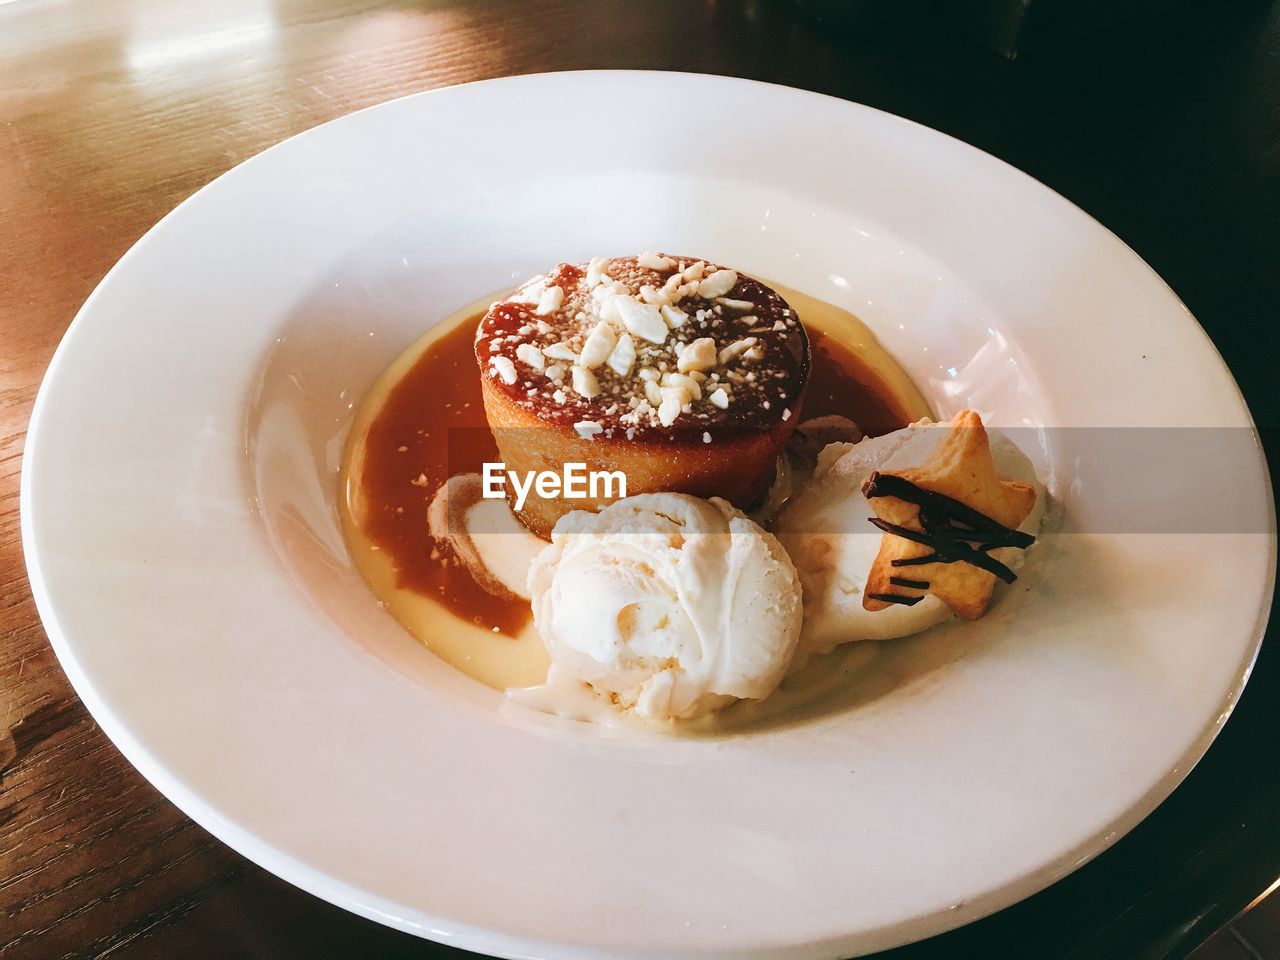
<point x="179" y="524"/>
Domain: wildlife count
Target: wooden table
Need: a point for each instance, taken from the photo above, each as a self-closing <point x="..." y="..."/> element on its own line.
<point x="112" y="111"/>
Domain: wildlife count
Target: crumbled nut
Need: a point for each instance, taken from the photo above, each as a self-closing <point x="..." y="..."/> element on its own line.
<point x="736" y="349"/>
<point x="597" y="270"/>
<point x="786" y="414"/>
<point x="599" y="345"/>
<point x="560" y="351"/>
<point x="550" y="301"/>
<point x="674" y="317"/>
<point x="670" y="409"/>
<point x="587" y="428"/>
<point x="585" y="383"/>
<point x="623" y="355"/>
<point x="718" y="284"/>
<point x="642" y="319"/>
<point x="706" y="437"/>
<point x="655" y="261"/>
<point x="529" y="354"/>
<point x="688" y="384"/>
<point x="531" y="292"/>
<point x="779" y="325"/>
<point x="505" y="369"/>
<point x="631" y="345"/>
<point x="699" y="355"/>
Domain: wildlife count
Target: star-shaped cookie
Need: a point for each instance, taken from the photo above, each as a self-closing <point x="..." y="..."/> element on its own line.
<point x="954" y="507"/>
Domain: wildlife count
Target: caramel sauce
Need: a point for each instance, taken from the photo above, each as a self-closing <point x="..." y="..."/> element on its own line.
<point x="842" y="383"/>
<point x="431" y="425"/>
<point x="424" y="421"/>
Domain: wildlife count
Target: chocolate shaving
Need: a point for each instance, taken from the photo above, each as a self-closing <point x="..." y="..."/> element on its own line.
<point x="955" y="531"/>
<point x="913" y="584"/>
<point x="896" y="598"/>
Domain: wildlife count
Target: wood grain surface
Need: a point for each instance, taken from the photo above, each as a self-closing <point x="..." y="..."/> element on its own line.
<point x="113" y="111"/>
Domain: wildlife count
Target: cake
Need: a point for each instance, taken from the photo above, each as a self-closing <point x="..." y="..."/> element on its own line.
<point x="683" y="375"/>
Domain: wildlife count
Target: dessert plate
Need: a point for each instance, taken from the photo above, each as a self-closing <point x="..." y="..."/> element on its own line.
<point x="179" y="520"/>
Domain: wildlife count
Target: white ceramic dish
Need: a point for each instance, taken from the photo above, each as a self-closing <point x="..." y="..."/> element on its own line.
<point x="179" y="525"/>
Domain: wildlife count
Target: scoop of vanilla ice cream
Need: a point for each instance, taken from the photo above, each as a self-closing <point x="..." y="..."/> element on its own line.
<point x="826" y="530"/>
<point x="672" y="605"/>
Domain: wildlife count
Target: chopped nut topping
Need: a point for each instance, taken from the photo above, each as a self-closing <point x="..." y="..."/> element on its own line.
<point x="674" y="317"/>
<point x="599" y="345"/>
<point x="623" y="356"/>
<point x="587" y="428"/>
<point x="597" y="270"/>
<point x="655" y="261"/>
<point x="585" y="383"/>
<point x="505" y="369"/>
<point x="550" y="301"/>
<point x="669" y="409"/>
<point x="642" y="319"/>
<point x="699" y="355"/>
<point x="560" y="351"/>
<point x="718" y="284"/>
<point x="644" y="342"/>
<point x="688" y="384"/>
<point x="736" y="349"/>
<point x="529" y="354"/>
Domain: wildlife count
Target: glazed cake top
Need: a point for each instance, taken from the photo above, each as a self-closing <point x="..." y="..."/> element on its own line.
<point x="649" y="346"/>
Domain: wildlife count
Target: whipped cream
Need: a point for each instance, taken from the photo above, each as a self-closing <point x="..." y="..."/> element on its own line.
<point x="668" y="605"/>
<point x="826" y="531"/>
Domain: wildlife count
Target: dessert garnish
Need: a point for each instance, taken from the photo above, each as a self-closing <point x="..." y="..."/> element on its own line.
<point x="948" y="515"/>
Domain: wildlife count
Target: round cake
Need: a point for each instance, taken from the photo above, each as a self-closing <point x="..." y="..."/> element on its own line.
<point x="683" y="375"/>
